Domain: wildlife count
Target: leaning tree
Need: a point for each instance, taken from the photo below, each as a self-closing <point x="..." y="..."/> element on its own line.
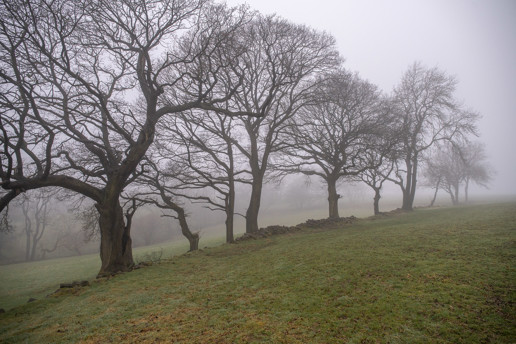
<point x="83" y="85"/>
<point x="427" y="113"/>
<point x="159" y="185"/>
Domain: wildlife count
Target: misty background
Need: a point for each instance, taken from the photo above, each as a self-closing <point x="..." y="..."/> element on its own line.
<point x="472" y="40"/>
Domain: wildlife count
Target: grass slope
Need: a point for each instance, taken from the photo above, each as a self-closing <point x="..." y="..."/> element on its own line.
<point x="431" y="276"/>
<point x="22" y="281"/>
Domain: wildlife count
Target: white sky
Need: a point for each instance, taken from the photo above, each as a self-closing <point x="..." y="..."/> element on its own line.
<point x="475" y="40"/>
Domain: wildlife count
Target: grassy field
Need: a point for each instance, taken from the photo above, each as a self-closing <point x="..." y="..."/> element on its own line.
<point x="432" y="276"/>
<point x="20" y="282"/>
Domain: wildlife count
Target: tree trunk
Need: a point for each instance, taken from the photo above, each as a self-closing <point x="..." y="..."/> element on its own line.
<point x="376" y="203"/>
<point x="230" y="214"/>
<point x="230" y="204"/>
<point x="38" y="232"/>
<point x="27" y="246"/>
<point x="456" y="194"/>
<point x="251" y="218"/>
<point x="409" y="192"/>
<point x="44" y="251"/>
<point x="466" y="187"/>
<point x="28" y="229"/>
<point x="115" y="239"/>
<point x="193" y="238"/>
<point x="33" y="248"/>
<point x="435" y="193"/>
<point x="453" y="198"/>
<point x="229" y="227"/>
<point x="414" y="184"/>
<point x="408" y="201"/>
<point x="333" y="199"/>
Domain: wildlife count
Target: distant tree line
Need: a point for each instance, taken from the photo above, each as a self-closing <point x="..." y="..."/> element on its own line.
<point x="133" y="102"/>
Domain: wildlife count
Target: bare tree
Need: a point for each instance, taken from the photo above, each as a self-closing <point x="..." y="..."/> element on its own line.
<point x="432" y="180"/>
<point x="202" y="144"/>
<point x="5" y="223"/>
<point x="455" y="163"/>
<point x="36" y="209"/>
<point x="88" y="216"/>
<point x="476" y="166"/>
<point x="446" y="167"/>
<point x="427" y="113"/>
<point x="158" y="186"/>
<point x="70" y="72"/>
<point x="331" y="136"/>
<point x="69" y="240"/>
<point x="382" y="153"/>
<point x="278" y="72"/>
<point x="381" y="165"/>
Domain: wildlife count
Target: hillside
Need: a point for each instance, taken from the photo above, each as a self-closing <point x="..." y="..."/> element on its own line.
<point x="435" y="275"/>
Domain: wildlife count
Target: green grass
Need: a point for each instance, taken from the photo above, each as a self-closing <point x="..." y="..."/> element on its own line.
<point x="431" y="276"/>
<point x="20" y="282"/>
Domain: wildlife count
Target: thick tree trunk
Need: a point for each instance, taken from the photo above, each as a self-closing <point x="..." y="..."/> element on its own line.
<point x="413" y="185"/>
<point x="230" y="209"/>
<point x="408" y="201"/>
<point x="230" y="214"/>
<point x="251" y="216"/>
<point x="115" y="239"/>
<point x="409" y="191"/>
<point x="230" y="237"/>
<point x="333" y="199"/>
<point x="376" y="203"/>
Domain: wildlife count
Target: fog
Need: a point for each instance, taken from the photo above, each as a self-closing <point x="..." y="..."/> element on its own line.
<point x="294" y="201"/>
<point x="473" y="40"/>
